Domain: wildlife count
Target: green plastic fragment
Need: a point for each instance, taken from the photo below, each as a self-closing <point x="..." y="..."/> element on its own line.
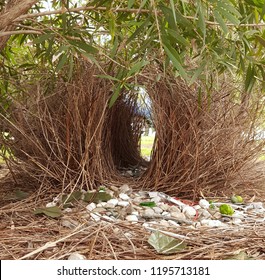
<point x="226" y="210"/>
<point x="237" y="199"/>
<point x="148" y="204"/>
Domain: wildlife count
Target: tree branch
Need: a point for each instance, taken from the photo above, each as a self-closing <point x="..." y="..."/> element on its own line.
<point x="9" y="33"/>
<point x="137" y="11"/>
<point x="15" y="11"/>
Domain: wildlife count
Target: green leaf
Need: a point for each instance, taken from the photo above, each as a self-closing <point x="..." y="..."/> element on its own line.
<point x="61" y="62"/>
<point x="137" y="67"/>
<point x="53" y="212"/>
<point x="73" y="197"/>
<point x="21" y="195"/>
<point x="250" y="78"/>
<point x="148" y="204"/>
<point x="115" y="95"/>
<point x="201" y="21"/>
<point x="130" y="3"/>
<point x="165" y="244"/>
<point x="42" y="38"/>
<point x="261" y="40"/>
<point x="174" y="57"/>
<point x="96" y="197"/>
<point x="172" y="4"/>
<point x="84" y="46"/>
<point x="227" y="15"/>
<point x="220" y="20"/>
<point x="197" y="73"/>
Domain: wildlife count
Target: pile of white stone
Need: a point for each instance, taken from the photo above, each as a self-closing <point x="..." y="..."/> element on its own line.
<point x="165" y="211"/>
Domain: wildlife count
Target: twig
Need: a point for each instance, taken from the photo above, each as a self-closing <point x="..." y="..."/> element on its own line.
<point x="8" y="33"/>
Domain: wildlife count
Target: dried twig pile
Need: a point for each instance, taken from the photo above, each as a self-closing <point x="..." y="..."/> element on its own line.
<point x="71" y="138"/>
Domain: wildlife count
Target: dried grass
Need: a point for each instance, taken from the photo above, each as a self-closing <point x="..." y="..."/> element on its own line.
<point x="25" y="236"/>
<point x="71" y="139"/>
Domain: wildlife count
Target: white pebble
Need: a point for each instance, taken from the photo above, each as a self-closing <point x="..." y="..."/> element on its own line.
<point x="174" y="208"/>
<point x="153" y="194"/>
<point x="164" y="206"/>
<point x="114" y="202"/>
<point x="236" y="221"/>
<point x="51" y="204"/>
<point x="189" y="211"/>
<point x="173" y="223"/>
<point x="132" y="218"/>
<point x="123" y="203"/>
<point x="178" y="216"/>
<point x="149" y="212"/>
<point x="124" y="196"/>
<point x="204" y="204"/>
<point x="197" y="207"/>
<point x="126" y="189"/>
<point x="91" y="206"/>
<point x="156" y="199"/>
<point x="101" y="204"/>
<point x="157" y="210"/>
<point x="136" y="213"/>
<point x="164" y="223"/>
<point x="95" y="217"/>
<point x="211" y="223"/>
<point x="76" y="256"/>
<point x="166" y="214"/>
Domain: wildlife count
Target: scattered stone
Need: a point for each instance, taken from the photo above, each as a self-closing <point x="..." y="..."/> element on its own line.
<point x="157" y="210"/>
<point x="164" y="223"/>
<point x="178" y="216"/>
<point x="136" y="213"/>
<point x="174" y="208"/>
<point x="236" y="221"/>
<point x="204" y="204"/>
<point x="166" y="214"/>
<point x="189" y="211"/>
<point x="51" y="204"/>
<point x="164" y="206"/>
<point x="112" y="203"/>
<point x="124" y="203"/>
<point x="69" y="223"/>
<point x="99" y="210"/>
<point x="124" y="196"/>
<point x="153" y="194"/>
<point x="76" y="256"/>
<point x="173" y="223"/>
<point x="204" y="214"/>
<point x="149" y="212"/>
<point x="211" y="223"/>
<point x="156" y="199"/>
<point x="132" y="218"/>
<point x="95" y="217"/>
<point x="101" y="204"/>
<point x="90" y="207"/>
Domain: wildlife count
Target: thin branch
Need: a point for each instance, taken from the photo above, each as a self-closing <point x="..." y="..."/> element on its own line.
<point x="137" y="11"/>
<point x="8" y="33"/>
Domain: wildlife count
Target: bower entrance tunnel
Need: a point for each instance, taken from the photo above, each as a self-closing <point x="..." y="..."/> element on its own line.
<point x="72" y="138"/>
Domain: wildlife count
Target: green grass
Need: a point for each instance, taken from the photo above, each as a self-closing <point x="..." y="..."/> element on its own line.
<point x="146" y="145"/>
